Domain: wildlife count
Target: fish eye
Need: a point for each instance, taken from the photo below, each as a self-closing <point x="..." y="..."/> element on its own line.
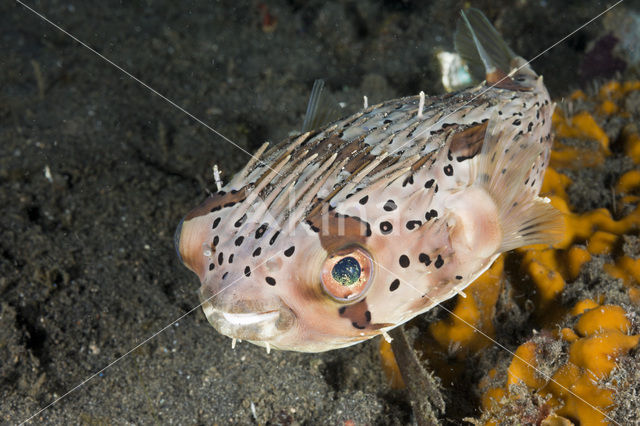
<point x="346" y="274"/>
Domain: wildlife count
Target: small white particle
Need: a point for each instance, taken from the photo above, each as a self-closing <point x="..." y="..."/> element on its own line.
<point x="233" y="343"/>
<point x="216" y="177"/>
<point x="47" y="174"/>
<point x="462" y="294"/>
<point x="253" y="411"/>
<point x="421" y="105"/>
<point x="147" y="247"/>
<point x="386" y="337"/>
<point x="268" y="346"/>
<point x="366" y="102"/>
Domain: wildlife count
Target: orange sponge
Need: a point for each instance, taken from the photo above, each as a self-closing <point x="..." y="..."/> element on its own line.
<point x="599" y="337"/>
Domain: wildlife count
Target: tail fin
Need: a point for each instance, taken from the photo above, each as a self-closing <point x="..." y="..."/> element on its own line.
<point x="481" y="46"/>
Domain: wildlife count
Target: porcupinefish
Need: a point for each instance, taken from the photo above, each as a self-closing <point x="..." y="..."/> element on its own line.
<point x="339" y="234"/>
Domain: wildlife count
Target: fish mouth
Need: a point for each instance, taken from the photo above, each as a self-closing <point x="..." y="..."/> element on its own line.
<point x="256" y="326"/>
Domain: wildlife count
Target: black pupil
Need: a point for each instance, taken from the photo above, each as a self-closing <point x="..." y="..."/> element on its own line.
<point x="346" y="271"/>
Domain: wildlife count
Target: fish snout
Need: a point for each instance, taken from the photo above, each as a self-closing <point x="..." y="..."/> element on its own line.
<point x="192" y="246"/>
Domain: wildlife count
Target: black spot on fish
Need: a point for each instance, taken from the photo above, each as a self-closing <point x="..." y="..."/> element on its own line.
<point x="430" y="214"/>
<point x="386" y="227"/>
<point x="220" y="258"/>
<point x="239" y="240"/>
<point x="364" y="200"/>
<point x="231" y="258"/>
<point x="273" y="239"/>
<point x="404" y="261"/>
<point x="289" y="252"/>
<point x="408" y="181"/>
<point x="517" y="122"/>
<point x="247" y="271"/>
<point x="448" y="170"/>
<point x="224" y="276"/>
<point x="530" y="126"/>
<point x="256" y="252"/>
<point x="261" y="230"/>
<point x="313" y="227"/>
<point x="394" y="285"/>
<point x="355" y="325"/>
<point x="271" y="281"/>
<point x="342" y="309"/>
<point x="412" y="224"/>
<point x="368" y="232"/>
<point x="439" y="262"/>
<point x="240" y="221"/>
<point x="211" y="266"/>
<point x="424" y="258"/>
<point x="458" y="277"/>
<point x="216" y="222"/>
<point x="216" y="239"/>
<point x="428" y="184"/>
<point x="367" y="316"/>
<point x="389" y="206"/>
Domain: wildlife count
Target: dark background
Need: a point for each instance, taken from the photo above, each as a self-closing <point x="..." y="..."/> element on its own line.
<point x="87" y="264"/>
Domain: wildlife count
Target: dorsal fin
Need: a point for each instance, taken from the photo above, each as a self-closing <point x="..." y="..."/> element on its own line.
<point x="481" y="46"/>
<point x="321" y="109"/>
<point x="311" y="116"/>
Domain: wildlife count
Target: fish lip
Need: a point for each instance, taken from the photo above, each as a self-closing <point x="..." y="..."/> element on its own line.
<point x="250" y="318"/>
<point x="257" y="326"/>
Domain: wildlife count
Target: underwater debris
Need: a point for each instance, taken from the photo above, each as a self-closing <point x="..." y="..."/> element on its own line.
<point x="455" y="73"/>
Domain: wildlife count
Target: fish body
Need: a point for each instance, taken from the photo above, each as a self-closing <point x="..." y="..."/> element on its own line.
<point x="339" y="234"/>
